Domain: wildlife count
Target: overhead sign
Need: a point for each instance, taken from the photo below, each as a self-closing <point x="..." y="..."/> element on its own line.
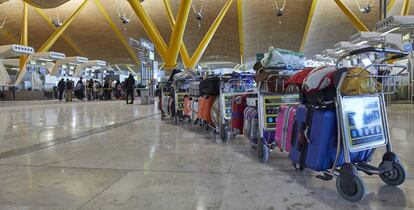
<point x="146" y="44"/>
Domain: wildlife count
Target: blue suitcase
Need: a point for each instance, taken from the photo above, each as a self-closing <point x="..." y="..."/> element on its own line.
<point x="319" y="153"/>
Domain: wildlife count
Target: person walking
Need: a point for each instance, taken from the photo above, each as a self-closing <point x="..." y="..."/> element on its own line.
<point x="118" y="90"/>
<point x="61" y="88"/>
<point x="69" y="90"/>
<point x="129" y="89"/>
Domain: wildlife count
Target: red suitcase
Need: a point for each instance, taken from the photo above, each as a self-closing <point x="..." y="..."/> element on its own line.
<point x="238" y="106"/>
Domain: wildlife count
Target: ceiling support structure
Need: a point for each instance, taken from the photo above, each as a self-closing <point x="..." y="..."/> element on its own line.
<point x="53" y="38"/>
<point x="308" y="24"/>
<point x="185" y="57"/>
<point x="241" y="32"/>
<point x="24" y="39"/>
<point x="177" y="34"/>
<point x="358" y="24"/>
<point x="405" y="8"/>
<point x="390" y="5"/>
<point x="209" y="35"/>
<point x="65" y="37"/>
<point x="150" y="28"/>
<point x="117" y="32"/>
<point x="9" y="36"/>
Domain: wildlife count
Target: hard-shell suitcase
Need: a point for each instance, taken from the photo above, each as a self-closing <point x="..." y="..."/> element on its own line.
<point x="238" y="106"/>
<point x="194" y="109"/>
<point x="194" y="88"/>
<point x="204" y="109"/>
<point x="251" y="124"/>
<point x="318" y="151"/>
<point x="187" y="107"/>
<point x="284" y="127"/>
<point x="166" y="104"/>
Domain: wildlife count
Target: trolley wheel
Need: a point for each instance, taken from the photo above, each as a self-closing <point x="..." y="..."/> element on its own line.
<point x="223" y="134"/>
<point x="352" y="194"/>
<point x="396" y="176"/>
<point x="263" y="151"/>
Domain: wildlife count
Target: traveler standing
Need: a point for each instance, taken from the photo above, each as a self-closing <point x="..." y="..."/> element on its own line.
<point x="129" y="88"/>
<point x="89" y="89"/>
<point x="61" y="88"/>
<point x="96" y="90"/>
<point x="80" y="88"/>
<point x="106" y="90"/>
<point x="69" y="89"/>
<point x="118" y="89"/>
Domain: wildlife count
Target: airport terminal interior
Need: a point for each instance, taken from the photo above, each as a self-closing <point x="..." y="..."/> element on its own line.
<point x="206" y="104"/>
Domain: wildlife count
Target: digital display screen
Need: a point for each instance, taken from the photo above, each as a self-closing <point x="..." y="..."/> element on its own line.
<point x="363" y="122"/>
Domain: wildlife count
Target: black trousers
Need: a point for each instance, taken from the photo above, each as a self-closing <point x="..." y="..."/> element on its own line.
<point x="60" y="94"/>
<point x="129" y="93"/>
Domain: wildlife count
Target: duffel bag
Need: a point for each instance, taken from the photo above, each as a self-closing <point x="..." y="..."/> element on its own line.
<point x="210" y="86"/>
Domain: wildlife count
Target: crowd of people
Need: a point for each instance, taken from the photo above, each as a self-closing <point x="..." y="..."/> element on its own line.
<point x="93" y="90"/>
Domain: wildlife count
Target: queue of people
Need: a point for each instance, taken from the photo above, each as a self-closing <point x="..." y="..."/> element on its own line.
<point x="93" y="90"/>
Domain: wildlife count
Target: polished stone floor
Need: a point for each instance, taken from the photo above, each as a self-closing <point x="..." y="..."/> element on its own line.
<point x="107" y="155"/>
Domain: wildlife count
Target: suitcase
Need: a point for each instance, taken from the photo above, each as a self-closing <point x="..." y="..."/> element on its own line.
<point x="216" y="113"/>
<point x="318" y="153"/>
<point x="194" y="109"/>
<point x="210" y="86"/>
<point x="165" y="104"/>
<point x="204" y="109"/>
<point x="194" y="88"/>
<point x="187" y="107"/>
<point x="284" y="127"/>
<point x="238" y="106"/>
<point x="251" y="124"/>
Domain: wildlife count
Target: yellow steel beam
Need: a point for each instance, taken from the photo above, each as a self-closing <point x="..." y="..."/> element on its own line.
<point x="177" y="34"/>
<point x="55" y="36"/>
<point x="358" y="24"/>
<point x="185" y="57"/>
<point x="52" y="39"/>
<point x="117" y="32"/>
<point x="24" y="39"/>
<point x="406" y="8"/>
<point x="9" y="36"/>
<point x="150" y="28"/>
<point x="68" y="40"/>
<point x="308" y="24"/>
<point x="209" y="35"/>
<point x="390" y="5"/>
<point x="241" y="33"/>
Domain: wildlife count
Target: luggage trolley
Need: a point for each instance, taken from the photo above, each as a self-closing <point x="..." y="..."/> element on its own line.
<point x="243" y="84"/>
<point x="180" y="92"/>
<point x="365" y="127"/>
<point x="268" y="104"/>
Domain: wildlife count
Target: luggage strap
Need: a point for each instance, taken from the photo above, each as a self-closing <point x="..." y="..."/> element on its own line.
<point x="304" y="141"/>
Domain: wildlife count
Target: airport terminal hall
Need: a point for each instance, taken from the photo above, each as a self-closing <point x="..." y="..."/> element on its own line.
<point x="206" y="104"/>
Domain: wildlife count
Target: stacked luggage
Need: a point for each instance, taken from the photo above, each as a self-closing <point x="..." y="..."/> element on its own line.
<point x="339" y="123"/>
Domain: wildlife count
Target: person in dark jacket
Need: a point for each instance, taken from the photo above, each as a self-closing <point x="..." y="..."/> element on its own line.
<point x="129" y="88"/>
<point x="61" y="88"/>
<point x="80" y="88"/>
<point x="69" y="89"/>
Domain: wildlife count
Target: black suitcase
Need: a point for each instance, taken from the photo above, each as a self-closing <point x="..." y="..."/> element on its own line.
<point x="210" y="86"/>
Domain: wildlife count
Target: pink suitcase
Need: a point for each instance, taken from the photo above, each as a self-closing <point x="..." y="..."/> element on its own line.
<point x="284" y="127"/>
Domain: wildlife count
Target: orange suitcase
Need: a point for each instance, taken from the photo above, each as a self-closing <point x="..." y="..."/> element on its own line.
<point x="204" y="108"/>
